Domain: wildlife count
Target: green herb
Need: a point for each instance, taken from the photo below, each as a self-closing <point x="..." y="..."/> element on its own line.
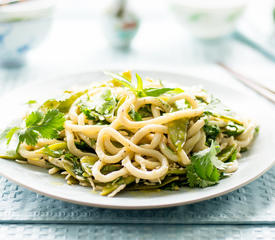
<point x="218" y="109"/>
<point x="165" y="182"/>
<point x="180" y="105"/>
<point x="53" y="153"/>
<point x="205" y="167"/>
<point x="177" y="131"/>
<point x="156" y="92"/>
<point x="76" y="167"/>
<point x="139" y="90"/>
<point x="227" y="153"/>
<point x="177" y="171"/>
<point x="145" y="111"/>
<point x="201" y="99"/>
<point x="8" y="133"/>
<point x="176" y="91"/>
<point x="84" y="146"/>
<point x="233" y="129"/>
<point x="110" y="168"/>
<point x="244" y="149"/>
<point x="30" y="102"/>
<point x="211" y="132"/>
<point x="135" y="115"/>
<point x="42" y="125"/>
<point x="37" y="124"/>
<point x="110" y="187"/>
<point x="63" y="104"/>
<point x="99" y="107"/>
<point x="122" y="80"/>
<point x="87" y="163"/>
<point x="12" y="155"/>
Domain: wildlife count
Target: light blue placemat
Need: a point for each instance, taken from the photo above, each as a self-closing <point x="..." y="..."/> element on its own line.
<point x="254" y="203"/>
<point x="134" y="232"/>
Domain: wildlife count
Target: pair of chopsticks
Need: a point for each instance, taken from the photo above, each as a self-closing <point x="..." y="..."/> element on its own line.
<point x="252" y="84"/>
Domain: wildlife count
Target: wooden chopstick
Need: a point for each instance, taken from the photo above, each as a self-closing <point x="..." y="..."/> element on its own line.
<point x="252" y="84"/>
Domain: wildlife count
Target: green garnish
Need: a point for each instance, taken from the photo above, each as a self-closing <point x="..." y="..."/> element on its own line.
<point x="228" y="154"/>
<point x="135" y="115"/>
<point x="217" y="109"/>
<point x="63" y="104"/>
<point x="138" y="90"/>
<point x="84" y="146"/>
<point x="110" y="187"/>
<point x="75" y="168"/>
<point x="42" y="125"/>
<point x="211" y="132"/>
<point x="30" y="102"/>
<point x="52" y="153"/>
<point x="180" y="105"/>
<point x="233" y="129"/>
<point x="156" y="92"/>
<point x="8" y="133"/>
<point x="165" y="182"/>
<point x="205" y="167"/>
<point x="145" y="111"/>
<point x="100" y="106"/>
<point x="37" y="124"/>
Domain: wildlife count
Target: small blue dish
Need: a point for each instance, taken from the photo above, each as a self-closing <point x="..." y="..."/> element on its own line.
<point x="23" y="26"/>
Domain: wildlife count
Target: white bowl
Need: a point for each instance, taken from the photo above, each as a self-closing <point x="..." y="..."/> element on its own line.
<point x="208" y="19"/>
<point x="22" y="27"/>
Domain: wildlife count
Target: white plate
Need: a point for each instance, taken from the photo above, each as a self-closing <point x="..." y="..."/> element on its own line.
<point x="253" y="164"/>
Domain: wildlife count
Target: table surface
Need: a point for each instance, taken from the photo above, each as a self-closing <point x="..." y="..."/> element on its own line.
<point x="76" y="44"/>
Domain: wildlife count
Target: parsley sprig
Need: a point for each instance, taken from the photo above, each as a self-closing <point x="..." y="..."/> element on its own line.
<point x="37" y="124"/>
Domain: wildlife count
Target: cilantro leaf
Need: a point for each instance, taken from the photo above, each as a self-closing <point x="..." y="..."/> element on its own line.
<point x="8" y="133"/>
<point x="100" y="106"/>
<point x="211" y="131"/>
<point x="34" y="118"/>
<point x="205" y="167"/>
<point x="216" y="108"/>
<point x="195" y="181"/>
<point x="43" y="125"/>
<point x="135" y="115"/>
<point x="29" y="136"/>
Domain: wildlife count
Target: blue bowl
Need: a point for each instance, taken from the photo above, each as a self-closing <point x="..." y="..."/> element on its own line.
<point x="22" y="28"/>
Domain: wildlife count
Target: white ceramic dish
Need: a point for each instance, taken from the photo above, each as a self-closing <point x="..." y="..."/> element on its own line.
<point x="208" y="19"/>
<point x="253" y="164"/>
<point x="23" y="26"/>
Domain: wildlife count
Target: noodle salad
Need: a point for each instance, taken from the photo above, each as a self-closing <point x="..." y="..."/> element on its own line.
<point x="132" y="134"/>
